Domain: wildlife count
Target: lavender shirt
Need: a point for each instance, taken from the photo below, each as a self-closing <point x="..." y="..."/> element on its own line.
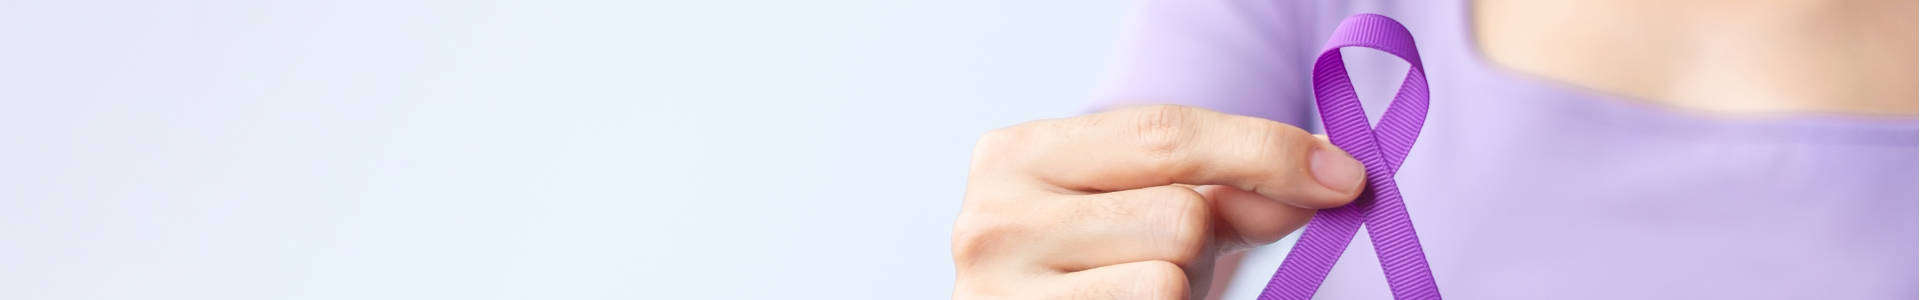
<point x="1522" y="188"/>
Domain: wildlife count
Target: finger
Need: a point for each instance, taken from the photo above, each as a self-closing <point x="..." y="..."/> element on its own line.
<point x="1244" y="219"/>
<point x="1166" y="223"/>
<point x="1150" y="279"/>
<point x="1170" y="223"/>
<point x="1160" y="145"/>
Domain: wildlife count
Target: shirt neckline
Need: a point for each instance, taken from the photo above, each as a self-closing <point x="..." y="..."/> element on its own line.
<point x="1628" y="113"/>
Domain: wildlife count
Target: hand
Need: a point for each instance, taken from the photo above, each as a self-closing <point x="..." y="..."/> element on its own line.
<point x="1135" y="203"/>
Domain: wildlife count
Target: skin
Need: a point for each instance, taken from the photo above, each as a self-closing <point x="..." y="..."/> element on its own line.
<point x="1143" y="203"/>
<point x="1135" y="203"/>
<point x="1715" y="57"/>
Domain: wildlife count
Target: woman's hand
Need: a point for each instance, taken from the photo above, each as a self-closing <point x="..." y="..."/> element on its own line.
<point x="1135" y="203"/>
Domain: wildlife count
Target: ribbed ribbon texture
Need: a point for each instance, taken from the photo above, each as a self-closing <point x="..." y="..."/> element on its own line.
<point x="1381" y="149"/>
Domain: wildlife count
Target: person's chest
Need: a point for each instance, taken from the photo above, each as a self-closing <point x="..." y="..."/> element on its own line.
<point x="1538" y="193"/>
<point x="1850" y="57"/>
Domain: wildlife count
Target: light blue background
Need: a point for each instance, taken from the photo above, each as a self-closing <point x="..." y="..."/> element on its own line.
<point x="511" y="149"/>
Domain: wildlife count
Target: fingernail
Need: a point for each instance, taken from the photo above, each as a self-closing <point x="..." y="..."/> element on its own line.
<point x="1336" y="170"/>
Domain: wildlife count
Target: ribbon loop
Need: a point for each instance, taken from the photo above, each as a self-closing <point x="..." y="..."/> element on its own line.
<point x="1381" y="149"/>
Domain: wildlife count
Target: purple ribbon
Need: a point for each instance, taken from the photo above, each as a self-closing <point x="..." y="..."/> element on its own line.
<point x="1381" y="150"/>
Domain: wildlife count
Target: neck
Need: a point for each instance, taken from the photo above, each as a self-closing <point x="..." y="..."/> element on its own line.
<point x="1847" y="57"/>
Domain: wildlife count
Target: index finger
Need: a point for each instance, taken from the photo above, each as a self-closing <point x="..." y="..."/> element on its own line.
<point x="1160" y="145"/>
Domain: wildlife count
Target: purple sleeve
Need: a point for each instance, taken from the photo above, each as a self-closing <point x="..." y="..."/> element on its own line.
<point x="1233" y="56"/>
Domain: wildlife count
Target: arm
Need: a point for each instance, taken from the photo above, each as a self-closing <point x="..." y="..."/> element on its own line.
<point x="1234" y="56"/>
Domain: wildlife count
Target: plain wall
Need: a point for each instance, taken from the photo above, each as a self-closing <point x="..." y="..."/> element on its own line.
<point x="512" y="149"/>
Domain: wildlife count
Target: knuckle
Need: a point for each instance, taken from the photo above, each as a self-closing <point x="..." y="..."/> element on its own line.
<point x="1189" y="230"/>
<point x="993" y="146"/>
<point x="1162" y="129"/>
<point x="1176" y="219"/>
<point x="1160" y="280"/>
<point x="980" y="244"/>
<point x="1183" y="217"/>
<point x="977" y="237"/>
